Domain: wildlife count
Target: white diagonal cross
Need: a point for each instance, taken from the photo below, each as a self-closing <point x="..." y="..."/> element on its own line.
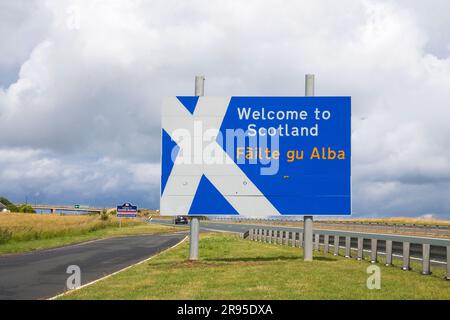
<point x="227" y="178"/>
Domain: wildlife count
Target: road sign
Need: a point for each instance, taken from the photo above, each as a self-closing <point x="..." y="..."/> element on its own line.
<point x="256" y="156"/>
<point x="127" y="210"/>
<point x="78" y="206"/>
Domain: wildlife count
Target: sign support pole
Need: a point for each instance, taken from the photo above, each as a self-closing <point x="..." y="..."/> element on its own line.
<point x="308" y="220"/>
<point x="195" y="223"/>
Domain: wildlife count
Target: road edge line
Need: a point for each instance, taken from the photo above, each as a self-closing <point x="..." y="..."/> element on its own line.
<point x="116" y="272"/>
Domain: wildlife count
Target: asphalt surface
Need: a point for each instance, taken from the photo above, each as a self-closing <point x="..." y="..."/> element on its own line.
<point x="438" y="254"/>
<point x="42" y="274"/>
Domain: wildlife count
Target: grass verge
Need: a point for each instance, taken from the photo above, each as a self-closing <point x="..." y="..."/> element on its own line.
<point x="231" y="268"/>
<point x="27" y="232"/>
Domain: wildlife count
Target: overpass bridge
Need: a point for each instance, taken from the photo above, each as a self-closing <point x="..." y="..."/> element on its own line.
<point x="65" y="208"/>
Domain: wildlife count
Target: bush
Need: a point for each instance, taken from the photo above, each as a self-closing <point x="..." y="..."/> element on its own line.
<point x="25" y="209"/>
<point x="5" y="235"/>
<point x="104" y="216"/>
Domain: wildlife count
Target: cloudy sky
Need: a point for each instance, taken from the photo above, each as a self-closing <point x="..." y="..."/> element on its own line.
<point x="81" y="85"/>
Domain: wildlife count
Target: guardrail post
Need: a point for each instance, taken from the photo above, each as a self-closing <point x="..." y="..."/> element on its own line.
<point x="448" y="263"/>
<point x="260" y="235"/>
<point x="316" y="242"/>
<point x="326" y="242"/>
<point x="347" y="247"/>
<point x="300" y="240"/>
<point x="406" y="247"/>
<point x="374" y="251"/>
<point x="286" y="238"/>
<point x="426" y="259"/>
<point x="336" y="245"/>
<point x="294" y="238"/>
<point x="388" y="253"/>
<point x="360" y="249"/>
<point x="266" y="233"/>
<point x="280" y="237"/>
<point x="250" y="234"/>
<point x="269" y="237"/>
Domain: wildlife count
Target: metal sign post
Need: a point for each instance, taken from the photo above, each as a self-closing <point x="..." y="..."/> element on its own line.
<point x="308" y="220"/>
<point x="195" y="223"/>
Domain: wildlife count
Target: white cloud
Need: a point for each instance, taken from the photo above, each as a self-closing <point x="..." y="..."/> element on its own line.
<point x="87" y="98"/>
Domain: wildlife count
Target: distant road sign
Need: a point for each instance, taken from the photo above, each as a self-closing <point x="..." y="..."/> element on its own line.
<point x="256" y="156"/>
<point x="127" y="211"/>
<point x="78" y="206"/>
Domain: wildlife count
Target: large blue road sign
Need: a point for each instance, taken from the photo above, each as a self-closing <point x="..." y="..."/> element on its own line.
<point x="127" y="210"/>
<point x="256" y="156"/>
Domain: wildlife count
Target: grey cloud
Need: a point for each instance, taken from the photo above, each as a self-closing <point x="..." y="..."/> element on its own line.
<point x="92" y="90"/>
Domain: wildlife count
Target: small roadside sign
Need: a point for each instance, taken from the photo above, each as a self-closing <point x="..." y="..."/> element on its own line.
<point x="127" y="210"/>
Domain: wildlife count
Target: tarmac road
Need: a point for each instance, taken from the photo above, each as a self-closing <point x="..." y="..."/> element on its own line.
<point x="42" y="274"/>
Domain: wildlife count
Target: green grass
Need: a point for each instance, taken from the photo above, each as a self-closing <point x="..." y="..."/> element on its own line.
<point x="27" y="232"/>
<point x="231" y="268"/>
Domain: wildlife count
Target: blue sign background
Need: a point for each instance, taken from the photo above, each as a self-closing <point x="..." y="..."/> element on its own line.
<point x="319" y="187"/>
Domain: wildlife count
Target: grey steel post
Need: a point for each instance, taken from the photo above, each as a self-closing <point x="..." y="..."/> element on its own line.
<point x="259" y="235"/>
<point x="294" y="238"/>
<point x="195" y="223"/>
<point x="308" y="241"/>
<point x="265" y="235"/>
<point x="309" y="85"/>
<point x="193" y="240"/>
<point x="388" y="253"/>
<point x="374" y="251"/>
<point x="426" y="259"/>
<point x="250" y="234"/>
<point x="360" y="249"/>
<point x="316" y="242"/>
<point x="326" y="242"/>
<point x="308" y="220"/>
<point x="269" y="239"/>
<point x="336" y="245"/>
<point x="300" y="239"/>
<point x="199" y="85"/>
<point x="448" y="263"/>
<point x="286" y="238"/>
<point x="347" y="247"/>
<point x="406" y="246"/>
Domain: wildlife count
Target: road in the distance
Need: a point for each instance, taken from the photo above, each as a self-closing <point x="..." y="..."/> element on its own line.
<point x="42" y="274"/>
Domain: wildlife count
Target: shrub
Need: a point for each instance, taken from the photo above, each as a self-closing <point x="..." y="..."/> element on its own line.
<point x="5" y="235"/>
<point x="26" y="209"/>
<point x="104" y="216"/>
